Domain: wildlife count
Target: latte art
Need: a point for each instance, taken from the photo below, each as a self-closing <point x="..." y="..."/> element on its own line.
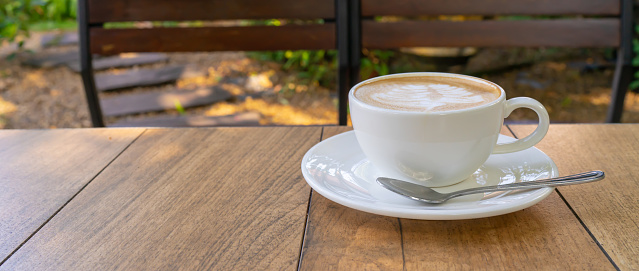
<point x="427" y="97"/>
<point x="426" y="94"/>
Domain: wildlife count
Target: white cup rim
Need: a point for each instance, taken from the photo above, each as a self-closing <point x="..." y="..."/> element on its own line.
<point x="351" y="93"/>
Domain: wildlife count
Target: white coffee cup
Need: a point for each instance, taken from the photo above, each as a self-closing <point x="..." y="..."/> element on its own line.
<point x="438" y="148"/>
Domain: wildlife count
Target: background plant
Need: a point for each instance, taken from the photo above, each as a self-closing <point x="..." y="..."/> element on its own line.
<point x="375" y="63"/>
<point x="634" y="85"/>
<point x="18" y="16"/>
<point x="315" y="67"/>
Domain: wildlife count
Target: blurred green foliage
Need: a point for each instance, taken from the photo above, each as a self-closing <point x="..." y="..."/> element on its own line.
<point x="312" y="67"/>
<point x="634" y="85"/>
<point x="69" y="24"/>
<point x="17" y="16"/>
<point x="375" y="63"/>
<point x="154" y="24"/>
<point x="319" y="67"/>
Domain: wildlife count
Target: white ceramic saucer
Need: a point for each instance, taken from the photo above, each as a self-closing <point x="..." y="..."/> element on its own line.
<point x="337" y="169"/>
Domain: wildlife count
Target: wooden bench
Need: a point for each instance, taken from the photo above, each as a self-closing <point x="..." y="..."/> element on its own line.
<point x="349" y="26"/>
<point x="96" y="39"/>
<point x="578" y="24"/>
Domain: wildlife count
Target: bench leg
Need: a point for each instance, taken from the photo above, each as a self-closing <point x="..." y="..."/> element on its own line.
<point x="623" y="69"/>
<point x="347" y="17"/>
<point x="86" y="66"/>
<point x="343" y="59"/>
<point x="355" y="41"/>
<point x="623" y="77"/>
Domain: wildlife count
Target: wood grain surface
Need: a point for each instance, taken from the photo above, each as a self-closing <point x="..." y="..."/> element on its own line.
<point x="40" y="170"/>
<point x="524" y="33"/>
<point x="235" y="199"/>
<point x="239" y="119"/>
<point x="192" y="199"/>
<point x="546" y="236"/>
<point x="341" y="238"/>
<point x="489" y="7"/>
<point x="194" y="39"/>
<point x="195" y="10"/>
<point x="608" y="208"/>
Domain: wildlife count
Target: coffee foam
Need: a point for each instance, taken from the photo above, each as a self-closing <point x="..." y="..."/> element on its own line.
<point x="427" y="93"/>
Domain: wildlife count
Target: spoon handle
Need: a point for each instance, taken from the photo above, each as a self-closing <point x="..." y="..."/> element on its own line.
<point x="566" y="180"/>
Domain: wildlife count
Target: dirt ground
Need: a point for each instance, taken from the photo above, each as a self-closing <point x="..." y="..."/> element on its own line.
<point x="567" y="84"/>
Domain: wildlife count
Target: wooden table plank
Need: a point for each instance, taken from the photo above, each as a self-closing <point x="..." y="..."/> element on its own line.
<point x="206" y="199"/>
<point x="40" y="170"/>
<point x="341" y="238"/>
<point x="544" y="236"/>
<point x="239" y="119"/>
<point x="608" y="208"/>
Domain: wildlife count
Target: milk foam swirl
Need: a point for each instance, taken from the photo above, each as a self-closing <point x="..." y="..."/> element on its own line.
<point x="423" y="96"/>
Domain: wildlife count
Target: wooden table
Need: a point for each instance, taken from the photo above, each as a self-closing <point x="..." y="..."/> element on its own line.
<point x="235" y="198"/>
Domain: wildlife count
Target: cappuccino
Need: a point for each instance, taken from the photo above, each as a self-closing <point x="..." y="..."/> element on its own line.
<point x="428" y="93"/>
<point x="447" y="128"/>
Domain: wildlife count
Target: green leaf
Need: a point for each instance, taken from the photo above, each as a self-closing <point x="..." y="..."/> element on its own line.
<point x="274" y="22"/>
<point x="170" y="24"/>
<point x="319" y="56"/>
<point x="634" y="85"/>
<point x="383" y="70"/>
<point x="366" y="68"/>
<point x="288" y="54"/>
<point x="9" y="31"/>
<point x="321" y="70"/>
<point x="288" y="64"/>
<point x="277" y="56"/>
<point x="304" y="75"/>
<point x="73" y="9"/>
<point x="38" y="3"/>
<point x="11" y="56"/>
<point x="179" y="107"/>
<point x="305" y="59"/>
<point x="366" y="63"/>
<point x="566" y="102"/>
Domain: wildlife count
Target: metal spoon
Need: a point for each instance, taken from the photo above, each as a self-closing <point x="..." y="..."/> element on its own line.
<point x="425" y="194"/>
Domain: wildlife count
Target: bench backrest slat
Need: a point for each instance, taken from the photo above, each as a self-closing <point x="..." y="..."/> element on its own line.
<point x="312" y="36"/>
<point x="534" y="33"/>
<point x="256" y="38"/>
<point x="572" y="23"/>
<point x="489" y="7"/>
<point x="101" y="11"/>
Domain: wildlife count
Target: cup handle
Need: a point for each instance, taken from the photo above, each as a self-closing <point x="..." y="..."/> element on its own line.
<point x="536" y="136"/>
